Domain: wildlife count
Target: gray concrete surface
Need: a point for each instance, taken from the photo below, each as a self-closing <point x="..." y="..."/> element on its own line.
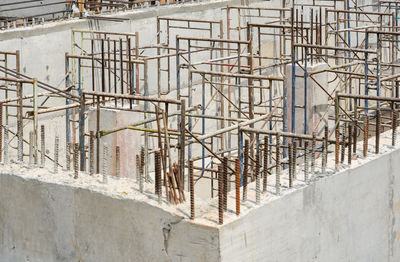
<point x="41" y="222"/>
<point x="349" y="216"/>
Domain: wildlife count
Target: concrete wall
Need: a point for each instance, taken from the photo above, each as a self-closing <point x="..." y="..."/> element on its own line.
<point x="43" y="222"/>
<point x="350" y="216"/>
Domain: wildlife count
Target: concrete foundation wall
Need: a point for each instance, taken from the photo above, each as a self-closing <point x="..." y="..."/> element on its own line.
<point x="350" y="216"/>
<point x="42" y="222"/>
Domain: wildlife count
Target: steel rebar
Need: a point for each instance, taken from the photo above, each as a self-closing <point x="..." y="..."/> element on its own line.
<point x="76" y="163"/>
<point x="266" y="154"/>
<point x="220" y="196"/>
<point x="117" y="162"/>
<point x="5" y="146"/>
<point x="245" y="168"/>
<point x="365" y="138"/>
<point x="306" y="161"/>
<point x="42" y="146"/>
<point x="257" y="175"/>
<point x="105" y="163"/>
<point x="91" y="153"/>
<point x="278" y="165"/>
<point x="56" y="149"/>
<point x="225" y="177"/>
<point x="237" y="185"/>
<point x="378" y="130"/>
<point x="191" y="183"/>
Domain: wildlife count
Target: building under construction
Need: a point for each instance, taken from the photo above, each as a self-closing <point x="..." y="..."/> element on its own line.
<point x="201" y="130"/>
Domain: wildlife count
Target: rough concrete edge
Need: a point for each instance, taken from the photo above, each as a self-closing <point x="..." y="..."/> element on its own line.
<point x="295" y="190"/>
<point x="176" y="215"/>
<point x="137" y="14"/>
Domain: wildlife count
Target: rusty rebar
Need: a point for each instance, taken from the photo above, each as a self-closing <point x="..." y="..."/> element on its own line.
<point x="56" y="149"/>
<point x="141" y="173"/>
<point x="294" y="169"/>
<point x="20" y="142"/>
<point x="158" y="178"/>
<point x="117" y="162"/>
<point x="137" y="168"/>
<point x="349" y="152"/>
<point x="354" y="137"/>
<point x="245" y="168"/>
<point x="278" y="165"/>
<point x="1" y="131"/>
<point x="265" y="173"/>
<point x="105" y="163"/>
<point x="191" y="184"/>
<point x="394" y="127"/>
<point x="91" y="153"/>
<point x="365" y="143"/>
<point x="343" y="145"/>
<point x="313" y="149"/>
<point x="68" y="156"/>
<point x="5" y="146"/>
<point x="257" y="175"/>
<point x="225" y="177"/>
<point x="42" y="146"/>
<point x="220" y="196"/>
<point x="237" y="185"/>
<point x="325" y="150"/>
<point x="378" y="130"/>
<point x="76" y="161"/>
<point x="306" y="161"/>
<point x="337" y="146"/>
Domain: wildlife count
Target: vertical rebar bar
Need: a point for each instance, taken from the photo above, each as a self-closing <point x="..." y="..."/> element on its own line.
<point x="266" y="153"/>
<point x="294" y="168"/>
<point x="158" y="176"/>
<point x="1" y="130"/>
<point x="306" y="161"/>
<point x="325" y="150"/>
<point x="137" y="168"/>
<point x="313" y="149"/>
<point x="354" y="137"/>
<point x="257" y="175"/>
<point x="237" y="185"/>
<point x="191" y="183"/>
<point x="278" y="165"/>
<point x="220" y="196"/>
<point x="141" y="172"/>
<point x="343" y="145"/>
<point x="225" y="177"/>
<point x="349" y="152"/>
<point x="378" y="130"/>
<point x="20" y="145"/>
<point x="365" y="143"/>
<point x="42" y="146"/>
<point x="5" y="146"/>
<point x="91" y="153"/>
<point x="76" y="163"/>
<point x="117" y="162"/>
<point x="394" y="127"/>
<point x="68" y="156"/>
<point x="245" y="168"/>
<point x="337" y="145"/>
<point x="105" y="163"/>
<point x="56" y="148"/>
